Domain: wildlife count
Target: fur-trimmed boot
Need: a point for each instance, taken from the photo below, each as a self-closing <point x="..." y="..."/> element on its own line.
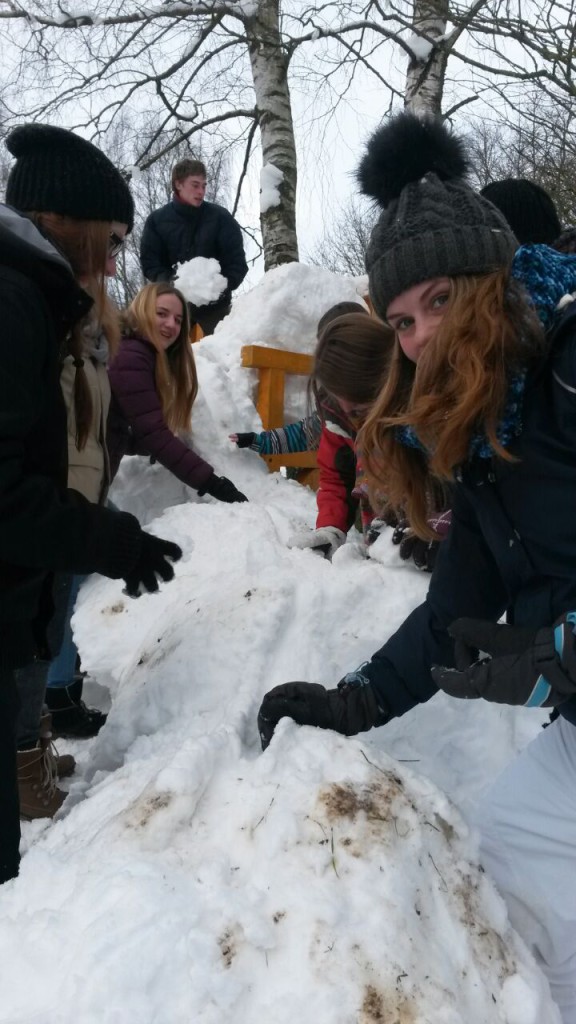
<point x="70" y="716"/>
<point x="39" y="795"/>
<point x="65" y="763"/>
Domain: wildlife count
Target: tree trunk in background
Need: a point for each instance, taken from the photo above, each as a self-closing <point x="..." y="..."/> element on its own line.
<point x="269" y="62"/>
<point x="425" y="75"/>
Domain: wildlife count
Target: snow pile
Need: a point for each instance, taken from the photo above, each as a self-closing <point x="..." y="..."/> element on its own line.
<point x="190" y="877"/>
<point x="271" y="177"/>
<point x="282" y="311"/>
<point x="200" y="280"/>
<point x="421" y="47"/>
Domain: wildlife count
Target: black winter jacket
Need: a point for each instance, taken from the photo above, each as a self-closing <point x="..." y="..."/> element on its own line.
<point x="178" y="232"/>
<point x="43" y="526"/>
<point x="512" y="543"/>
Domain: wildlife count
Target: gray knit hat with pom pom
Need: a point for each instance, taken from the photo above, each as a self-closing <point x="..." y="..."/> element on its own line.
<point x="432" y="223"/>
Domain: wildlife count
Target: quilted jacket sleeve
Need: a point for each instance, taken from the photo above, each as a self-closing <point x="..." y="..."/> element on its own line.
<point x="134" y="387"/>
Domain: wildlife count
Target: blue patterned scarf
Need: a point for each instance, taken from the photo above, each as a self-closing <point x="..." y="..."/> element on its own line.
<point x="509" y="427"/>
<point x="547" y="276"/>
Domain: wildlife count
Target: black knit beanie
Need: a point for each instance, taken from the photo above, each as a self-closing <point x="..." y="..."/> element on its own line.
<point x="528" y="209"/>
<point x="432" y="223"/>
<point x="56" y="171"/>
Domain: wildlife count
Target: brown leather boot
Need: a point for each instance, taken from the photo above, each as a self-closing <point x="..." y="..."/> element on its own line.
<point x="65" y="763"/>
<point x="39" y="795"/>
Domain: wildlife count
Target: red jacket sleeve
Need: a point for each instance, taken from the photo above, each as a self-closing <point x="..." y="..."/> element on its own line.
<point x="337" y="465"/>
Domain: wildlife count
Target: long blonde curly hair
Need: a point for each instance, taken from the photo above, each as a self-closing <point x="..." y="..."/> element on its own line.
<point x="457" y="389"/>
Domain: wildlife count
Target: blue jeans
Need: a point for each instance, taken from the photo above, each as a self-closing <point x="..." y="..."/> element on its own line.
<point x="63" y="667"/>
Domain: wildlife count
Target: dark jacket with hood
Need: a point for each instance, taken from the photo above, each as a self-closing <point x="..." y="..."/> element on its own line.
<point x="512" y="543"/>
<point x="43" y="526"/>
<point x="179" y="232"/>
<point x="136" y="423"/>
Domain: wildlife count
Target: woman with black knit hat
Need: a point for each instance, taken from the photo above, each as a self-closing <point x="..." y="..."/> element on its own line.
<point x="57" y="233"/>
<point x="479" y="398"/>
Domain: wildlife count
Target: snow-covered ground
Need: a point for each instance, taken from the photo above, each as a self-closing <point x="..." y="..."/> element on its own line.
<point x="191" y="879"/>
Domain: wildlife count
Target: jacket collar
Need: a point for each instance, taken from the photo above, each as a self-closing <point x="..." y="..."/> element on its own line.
<point x="24" y="248"/>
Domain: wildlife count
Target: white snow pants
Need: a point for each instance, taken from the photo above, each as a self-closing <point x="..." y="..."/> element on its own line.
<point x="528" y="827"/>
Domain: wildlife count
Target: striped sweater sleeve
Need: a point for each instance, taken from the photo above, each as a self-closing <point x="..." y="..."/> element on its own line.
<point x="295" y="437"/>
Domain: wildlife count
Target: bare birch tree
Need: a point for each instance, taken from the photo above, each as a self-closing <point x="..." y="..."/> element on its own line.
<point x="228" y="67"/>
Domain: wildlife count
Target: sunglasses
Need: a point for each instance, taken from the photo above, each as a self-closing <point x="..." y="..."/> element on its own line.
<point x="115" y="245"/>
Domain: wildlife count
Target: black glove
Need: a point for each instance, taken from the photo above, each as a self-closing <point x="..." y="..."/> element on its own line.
<point x="349" y="709"/>
<point x="222" y="488"/>
<point x="153" y="562"/>
<point x="533" y="667"/>
<point x="245" y="440"/>
<point x="421" y="552"/>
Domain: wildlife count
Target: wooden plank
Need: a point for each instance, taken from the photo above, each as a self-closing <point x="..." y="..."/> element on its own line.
<point x="196" y="333"/>
<point x="259" y="357"/>
<point x="270" y="401"/>
<point x="301" y="460"/>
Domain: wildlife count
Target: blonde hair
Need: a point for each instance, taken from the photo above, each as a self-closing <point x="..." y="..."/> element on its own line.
<point x="85" y="245"/>
<point x="458" y="389"/>
<point x="175" y="371"/>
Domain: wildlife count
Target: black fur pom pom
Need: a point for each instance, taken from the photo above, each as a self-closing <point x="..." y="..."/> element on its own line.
<point x="404" y="150"/>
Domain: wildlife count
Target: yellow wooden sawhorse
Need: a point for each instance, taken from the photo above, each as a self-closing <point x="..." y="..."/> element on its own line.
<point x="272" y="365"/>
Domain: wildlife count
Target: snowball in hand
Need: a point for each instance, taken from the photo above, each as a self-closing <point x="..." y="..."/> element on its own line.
<point x="200" y="280"/>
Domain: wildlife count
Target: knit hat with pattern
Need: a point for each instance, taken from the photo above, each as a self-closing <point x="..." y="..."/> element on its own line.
<point x="528" y="209"/>
<point x="56" y="171"/>
<point x="432" y="223"/>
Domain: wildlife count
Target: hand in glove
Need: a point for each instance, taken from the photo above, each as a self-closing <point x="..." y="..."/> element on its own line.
<point x="153" y="562"/>
<point x="412" y="548"/>
<point x="533" y="667"/>
<point x="349" y="709"/>
<point x="222" y="488"/>
<point x="326" y="540"/>
<point x="244" y="440"/>
<point x="375" y="528"/>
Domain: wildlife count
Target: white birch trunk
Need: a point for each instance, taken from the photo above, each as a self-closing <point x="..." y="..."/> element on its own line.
<point x="425" y="75"/>
<point x="269" y="64"/>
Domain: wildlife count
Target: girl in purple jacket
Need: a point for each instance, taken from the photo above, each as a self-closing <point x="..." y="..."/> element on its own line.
<point x="154" y="384"/>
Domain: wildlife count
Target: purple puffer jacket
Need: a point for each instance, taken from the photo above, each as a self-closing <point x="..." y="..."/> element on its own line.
<point x="136" y="424"/>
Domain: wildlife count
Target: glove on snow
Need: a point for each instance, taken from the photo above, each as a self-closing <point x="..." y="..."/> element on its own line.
<point x="376" y="527"/>
<point x="222" y="488"/>
<point x="326" y="539"/>
<point x="153" y="562"/>
<point x="350" y="708"/>
<point x="245" y="440"/>
<point x="421" y="552"/>
<point x="533" y="667"/>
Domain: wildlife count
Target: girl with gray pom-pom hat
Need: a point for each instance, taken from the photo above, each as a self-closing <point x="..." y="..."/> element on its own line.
<point x="481" y="400"/>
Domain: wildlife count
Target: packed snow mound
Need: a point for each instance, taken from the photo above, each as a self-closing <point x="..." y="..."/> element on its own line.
<point x="284" y="308"/>
<point x="200" y="280"/>
<point x="306" y="884"/>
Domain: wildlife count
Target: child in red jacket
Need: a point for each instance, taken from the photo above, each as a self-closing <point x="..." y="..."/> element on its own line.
<point x="350" y="363"/>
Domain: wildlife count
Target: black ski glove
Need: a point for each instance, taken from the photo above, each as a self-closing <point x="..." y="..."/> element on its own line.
<point x="533" y="667"/>
<point x="245" y="440"/>
<point x="153" y="562"/>
<point x="350" y="708"/>
<point x="222" y="488"/>
<point x="412" y="548"/>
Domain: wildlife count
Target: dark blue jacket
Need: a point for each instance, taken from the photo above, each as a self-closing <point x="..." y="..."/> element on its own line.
<point x="512" y="543"/>
<point x="178" y="232"/>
